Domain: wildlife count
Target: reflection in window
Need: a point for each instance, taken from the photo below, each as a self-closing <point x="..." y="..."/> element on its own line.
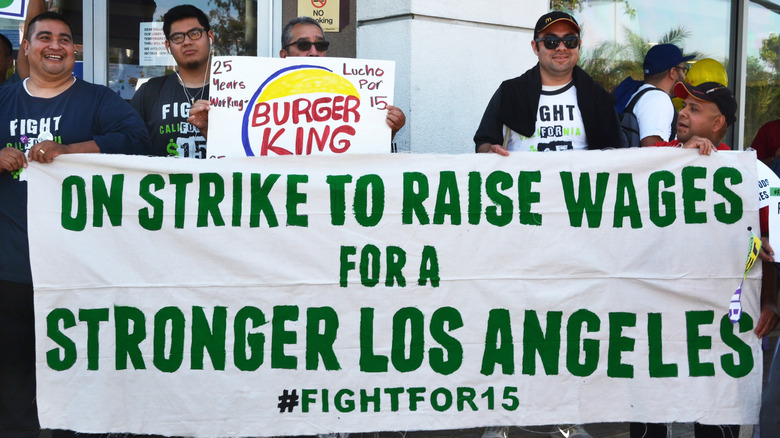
<point x="762" y="99"/>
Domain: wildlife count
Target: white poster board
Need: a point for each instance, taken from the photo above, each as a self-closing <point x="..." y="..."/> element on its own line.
<point x="13" y="9"/>
<point x="299" y="106"/>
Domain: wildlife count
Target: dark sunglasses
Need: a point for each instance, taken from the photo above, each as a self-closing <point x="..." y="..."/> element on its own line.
<point x="305" y="46"/>
<point x="551" y="42"/>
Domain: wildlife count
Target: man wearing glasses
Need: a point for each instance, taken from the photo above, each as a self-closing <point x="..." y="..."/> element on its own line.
<point x="175" y="107"/>
<point x="303" y="36"/>
<point x="553" y="106"/>
<point x="664" y="66"/>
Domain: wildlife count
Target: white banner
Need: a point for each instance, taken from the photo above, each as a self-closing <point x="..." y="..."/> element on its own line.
<point x="299" y="106"/>
<point x="292" y="296"/>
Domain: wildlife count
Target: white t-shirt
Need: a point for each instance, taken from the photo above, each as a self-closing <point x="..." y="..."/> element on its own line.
<point x="654" y="112"/>
<point x="558" y="123"/>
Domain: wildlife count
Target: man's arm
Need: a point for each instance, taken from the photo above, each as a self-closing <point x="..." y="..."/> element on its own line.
<point x="199" y="116"/>
<point x="46" y="151"/>
<point x="769" y="316"/>
<point x="651" y="140"/>
<point x="34" y="8"/>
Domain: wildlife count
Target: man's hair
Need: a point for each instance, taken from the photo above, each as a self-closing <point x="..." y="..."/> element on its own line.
<point x="6" y="44"/>
<point x="48" y="15"/>
<point x="181" y="12"/>
<point x="287" y="31"/>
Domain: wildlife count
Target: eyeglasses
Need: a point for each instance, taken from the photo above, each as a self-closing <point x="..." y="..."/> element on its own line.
<point x="683" y="69"/>
<point x="305" y="46"/>
<point x="195" y="34"/>
<point x="551" y="42"/>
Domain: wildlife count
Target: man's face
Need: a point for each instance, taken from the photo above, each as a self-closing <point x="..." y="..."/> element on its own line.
<point x="304" y="32"/>
<point x="50" y="50"/>
<point x="697" y="117"/>
<point x="190" y="54"/>
<point x="560" y="61"/>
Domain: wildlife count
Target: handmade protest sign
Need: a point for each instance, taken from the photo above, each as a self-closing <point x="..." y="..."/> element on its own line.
<point x="13" y="9"/>
<point x="298" y="106"/>
<point x="355" y="293"/>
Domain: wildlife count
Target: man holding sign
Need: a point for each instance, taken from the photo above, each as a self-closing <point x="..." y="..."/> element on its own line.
<point x="303" y="36"/>
<point x="175" y="107"/>
<point x="49" y="114"/>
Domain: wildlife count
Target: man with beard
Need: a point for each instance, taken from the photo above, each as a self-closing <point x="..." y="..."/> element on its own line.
<point x="175" y="107"/>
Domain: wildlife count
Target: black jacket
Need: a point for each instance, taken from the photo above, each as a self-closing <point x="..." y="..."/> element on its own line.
<point x="515" y="104"/>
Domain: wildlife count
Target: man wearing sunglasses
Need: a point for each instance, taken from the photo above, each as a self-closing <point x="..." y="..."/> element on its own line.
<point x="175" y="107"/>
<point x="303" y="36"/>
<point x="553" y="106"/>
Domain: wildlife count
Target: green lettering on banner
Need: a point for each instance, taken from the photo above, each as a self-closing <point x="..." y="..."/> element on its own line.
<point x="626" y="204"/>
<point x="369" y="362"/>
<point x="500" y="213"/>
<point x="211" y="192"/>
<point x="346" y="264"/>
<point x="475" y="198"/>
<point x="693" y="194"/>
<point x="374" y="398"/>
<point x="238" y="197"/>
<point x="308" y="399"/>
<point x="343" y="400"/>
<point x="111" y="203"/>
<point x="93" y="318"/>
<point x="453" y="348"/>
<point x="294" y="199"/>
<point x="180" y="181"/>
<point x="584" y="203"/>
<point x="547" y="344"/>
<point x="526" y="197"/>
<point x="128" y="343"/>
<point x="415" y="397"/>
<point x="282" y="337"/>
<point x="657" y="367"/>
<point x="696" y="342"/>
<point x="411" y="318"/>
<point x="447" y="199"/>
<point x="338" y="198"/>
<point x="394" y="394"/>
<point x="499" y="346"/>
<point x="415" y="193"/>
<point x="619" y="343"/>
<point x="369" y="265"/>
<point x="509" y="394"/>
<point x="243" y="339"/>
<point x="377" y="190"/>
<point x="259" y="202"/>
<point x="153" y="221"/>
<point x="723" y="213"/>
<point x="320" y="344"/>
<point x="395" y="260"/>
<point x="728" y="362"/>
<point x="444" y="405"/>
<point x="211" y="337"/>
<point x="74" y="186"/>
<point x="55" y="360"/>
<point x="590" y="347"/>
<point x="429" y="267"/>
<point x="162" y="318"/>
<point x="467" y="395"/>
<point x="661" y="198"/>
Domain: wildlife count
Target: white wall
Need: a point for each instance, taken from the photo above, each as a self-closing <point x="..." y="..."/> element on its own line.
<point x="450" y="55"/>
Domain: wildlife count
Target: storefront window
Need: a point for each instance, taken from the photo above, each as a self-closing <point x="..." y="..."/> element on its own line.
<point x="762" y="99"/>
<point x="616" y="34"/>
<point x="133" y="55"/>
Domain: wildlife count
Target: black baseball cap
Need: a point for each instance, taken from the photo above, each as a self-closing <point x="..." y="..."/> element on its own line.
<point x="553" y="17"/>
<point x="711" y="92"/>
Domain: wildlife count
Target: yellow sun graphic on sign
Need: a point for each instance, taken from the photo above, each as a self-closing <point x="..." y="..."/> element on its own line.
<point x="307" y="81"/>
